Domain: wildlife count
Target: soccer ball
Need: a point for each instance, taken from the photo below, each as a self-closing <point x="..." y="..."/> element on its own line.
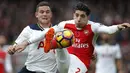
<point x="64" y="38"/>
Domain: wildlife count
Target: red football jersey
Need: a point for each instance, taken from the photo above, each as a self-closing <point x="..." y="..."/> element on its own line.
<point x="2" y="61"/>
<point x="82" y="46"/>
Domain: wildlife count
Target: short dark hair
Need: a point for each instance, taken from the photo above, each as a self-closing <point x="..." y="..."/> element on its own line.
<point x="83" y="7"/>
<point x="43" y="3"/>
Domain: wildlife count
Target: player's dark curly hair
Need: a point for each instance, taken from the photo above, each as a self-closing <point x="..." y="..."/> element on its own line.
<point x="83" y="7"/>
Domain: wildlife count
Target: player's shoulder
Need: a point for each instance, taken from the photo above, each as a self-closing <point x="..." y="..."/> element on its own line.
<point x="90" y="22"/>
<point x="67" y="22"/>
<point x="34" y="27"/>
<point x="93" y="23"/>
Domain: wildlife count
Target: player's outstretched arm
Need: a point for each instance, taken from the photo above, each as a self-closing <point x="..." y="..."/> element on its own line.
<point x="112" y="29"/>
<point x="20" y="47"/>
<point x="40" y="35"/>
<point x="17" y="47"/>
<point x="37" y="36"/>
<point x="123" y="26"/>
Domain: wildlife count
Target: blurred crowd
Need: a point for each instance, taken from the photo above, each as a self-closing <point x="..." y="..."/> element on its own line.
<point x="16" y="14"/>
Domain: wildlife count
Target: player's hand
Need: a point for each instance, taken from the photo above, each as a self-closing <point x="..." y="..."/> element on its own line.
<point x="123" y="26"/>
<point x="11" y="49"/>
<point x="21" y="47"/>
<point x="94" y="56"/>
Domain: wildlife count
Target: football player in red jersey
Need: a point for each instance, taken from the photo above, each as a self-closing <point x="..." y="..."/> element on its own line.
<point x="85" y="31"/>
<point x="77" y="58"/>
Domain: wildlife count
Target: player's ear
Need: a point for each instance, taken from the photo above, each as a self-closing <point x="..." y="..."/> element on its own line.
<point x="73" y="15"/>
<point x="36" y="14"/>
<point x="88" y="17"/>
<point x="51" y="14"/>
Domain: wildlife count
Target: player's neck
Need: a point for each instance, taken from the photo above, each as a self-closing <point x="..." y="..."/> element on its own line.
<point x="44" y="25"/>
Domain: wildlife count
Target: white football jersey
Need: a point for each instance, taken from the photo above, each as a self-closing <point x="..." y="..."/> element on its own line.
<point x="106" y="55"/>
<point x="37" y="59"/>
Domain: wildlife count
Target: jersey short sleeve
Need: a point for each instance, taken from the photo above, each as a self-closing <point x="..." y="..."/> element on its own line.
<point x="24" y="35"/>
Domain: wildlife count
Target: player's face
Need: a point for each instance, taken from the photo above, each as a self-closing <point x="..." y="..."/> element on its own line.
<point x="44" y="14"/>
<point x="81" y="19"/>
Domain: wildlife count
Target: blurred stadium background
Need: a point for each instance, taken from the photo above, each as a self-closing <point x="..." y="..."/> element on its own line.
<point x="16" y="14"/>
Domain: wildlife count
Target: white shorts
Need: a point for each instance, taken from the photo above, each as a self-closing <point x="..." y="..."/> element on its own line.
<point x="76" y="65"/>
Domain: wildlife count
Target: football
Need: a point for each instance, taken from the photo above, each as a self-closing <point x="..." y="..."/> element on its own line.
<point x="64" y="38"/>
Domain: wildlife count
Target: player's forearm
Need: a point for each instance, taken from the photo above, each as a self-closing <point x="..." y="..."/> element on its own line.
<point x="37" y="36"/>
<point x="40" y="35"/>
<point x="119" y="65"/>
<point x="58" y="28"/>
<point x="108" y="29"/>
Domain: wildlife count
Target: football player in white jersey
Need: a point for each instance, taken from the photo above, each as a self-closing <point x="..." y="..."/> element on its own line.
<point x="108" y="55"/>
<point x="37" y="60"/>
<point x="76" y="63"/>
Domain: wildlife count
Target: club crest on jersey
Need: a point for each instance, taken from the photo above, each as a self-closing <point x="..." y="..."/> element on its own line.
<point x="86" y="31"/>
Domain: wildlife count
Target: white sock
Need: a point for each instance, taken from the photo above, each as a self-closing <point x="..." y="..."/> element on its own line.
<point x="63" y="60"/>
